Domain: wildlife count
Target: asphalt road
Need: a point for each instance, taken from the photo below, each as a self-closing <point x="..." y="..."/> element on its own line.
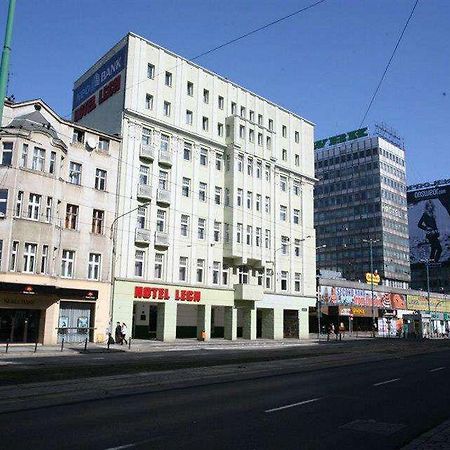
<point x="378" y="405"/>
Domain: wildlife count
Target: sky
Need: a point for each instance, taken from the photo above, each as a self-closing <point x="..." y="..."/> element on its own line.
<point x="323" y="64"/>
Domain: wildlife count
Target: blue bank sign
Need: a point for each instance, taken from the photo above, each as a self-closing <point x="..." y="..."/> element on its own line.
<point x="100" y="77"/>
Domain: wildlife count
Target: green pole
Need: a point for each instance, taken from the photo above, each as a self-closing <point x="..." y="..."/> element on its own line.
<point x="5" y="56"/>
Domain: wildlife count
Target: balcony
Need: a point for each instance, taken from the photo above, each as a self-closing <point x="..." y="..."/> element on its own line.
<point x="144" y="191"/>
<point x="161" y="239"/>
<point x="163" y="196"/>
<point x="142" y="236"/>
<point x="146" y="152"/>
<point x="165" y="158"/>
<point x="248" y="292"/>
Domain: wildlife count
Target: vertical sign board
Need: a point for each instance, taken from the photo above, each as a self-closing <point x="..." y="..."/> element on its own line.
<point x="429" y="222"/>
<point x="101" y="85"/>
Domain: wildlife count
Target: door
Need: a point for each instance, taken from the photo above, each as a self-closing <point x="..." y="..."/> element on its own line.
<point x="19" y="325"/>
<point x="75" y="321"/>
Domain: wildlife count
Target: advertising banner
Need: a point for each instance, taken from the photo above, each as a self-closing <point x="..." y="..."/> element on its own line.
<point x="429" y="223"/>
<point x="335" y="295"/>
<point x="420" y="303"/>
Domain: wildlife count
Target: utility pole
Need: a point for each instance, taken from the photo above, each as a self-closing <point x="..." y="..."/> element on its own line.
<point x="371" y="242"/>
<point x="4" y="68"/>
<point x="427" y="265"/>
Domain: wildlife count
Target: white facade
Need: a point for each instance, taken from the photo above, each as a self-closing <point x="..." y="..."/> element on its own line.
<point x="223" y="178"/>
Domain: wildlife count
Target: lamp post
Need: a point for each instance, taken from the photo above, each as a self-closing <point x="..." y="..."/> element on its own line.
<point x="371" y="242"/>
<point x="319" y="305"/>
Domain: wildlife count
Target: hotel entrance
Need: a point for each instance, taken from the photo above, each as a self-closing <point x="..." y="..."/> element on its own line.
<point x="19" y="325"/>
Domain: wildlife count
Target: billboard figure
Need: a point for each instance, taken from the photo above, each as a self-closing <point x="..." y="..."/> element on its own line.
<point x="428" y="223"/>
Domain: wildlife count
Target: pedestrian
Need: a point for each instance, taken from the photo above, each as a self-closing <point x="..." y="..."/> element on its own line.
<point x="124" y="333"/>
<point x="118" y="333"/>
<point x="329" y="331"/>
<point x="341" y="330"/>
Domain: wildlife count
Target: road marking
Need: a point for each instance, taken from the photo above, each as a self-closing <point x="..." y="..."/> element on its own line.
<point x="101" y="357"/>
<point x="436" y="369"/>
<point x="386" y="382"/>
<point x="122" y="447"/>
<point x="292" y="405"/>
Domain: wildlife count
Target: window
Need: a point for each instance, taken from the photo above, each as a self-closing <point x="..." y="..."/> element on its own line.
<point x="233" y="108"/>
<point x="251" y="135"/>
<point x="284" y="154"/>
<point x="94" y="266"/>
<point x="267" y="239"/>
<point x="243" y="112"/>
<point x="239" y="197"/>
<point x="267" y="205"/>
<point x="146" y="136"/>
<point x="284" y="280"/>
<point x="7" y="154"/>
<point x="270" y="124"/>
<point x="250" y="167"/>
<point x="184" y="230"/>
<point x="296" y="188"/>
<point x="141" y="217"/>
<point x="267" y="173"/>
<point x="205" y="96"/>
<point x="297" y="137"/>
<point x="67" y="263"/>
<point x="98" y="219"/>
<point x="159" y="264"/>
<point x="148" y="101"/>
<point x="150" y="71"/>
<point x="71" y="216"/>
<point x="217" y="228"/>
<point x="243" y="275"/>
<point x="249" y="234"/>
<point x="200" y="270"/>
<point x="38" y="159"/>
<point x="139" y="259"/>
<point x="186" y="187"/>
<point x="161" y="220"/>
<point x="241" y="131"/>
<point x="258" y="237"/>
<point x="283" y="213"/>
<point x="165" y="141"/>
<point x="258" y="169"/>
<point x="29" y="257"/>
<point x="163" y="180"/>
<point x="260" y="139"/>
<point x="284" y="245"/>
<point x="260" y="120"/>
<point x="19" y="204"/>
<point x="14" y="256"/>
<point x="297" y="160"/>
<point x="100" y="179"/>
<point x="268" y="142"/>
<point x="24" y="156"/>
<point x="283" y="183"/>
<point x="220" y="129"/>
<point x="225" y="275"/>
<point x="190" y="88"/>
<point x="205" y="123"/>
<point x="296" y="216"/>
<point x="52" y="162"/>
<point x="182" y="271"/>
<point x="258" y="202"/>
<point x="297" y="247"/>
<point x="239" y="233"/>
<point x="249" y="200"/>
<point x="203" y="156"/>
<point x="77" y="136"/>
<point x="226" y="231"/>
<point x="201" y="228"/>
<point x="168" y="79"/>
<point x="220" y="102"/>
<point x="297" y="281"/>
<point x="143" y="174"/>
<point x="103" y="144"/>
<point x="74" y="173"/>
<point x="240" y="163"/>
<point x="34" y="205"/>
<point x="187" y="151"/>
<point x="48" y="209"/>
<point x="44" y="259"/>
<point x="252" y="116"/>
<point x="218" y="161"/>
<point x="260" y="277"/>
<point x="189" y="117"/>
<point x="216" y="272"/>
<point x="166" y="109"/>
<point x="203" y="187"/>
<point x="284" y="131"/>
<point x="269" y="276"/>
<point x="218" y="195"/>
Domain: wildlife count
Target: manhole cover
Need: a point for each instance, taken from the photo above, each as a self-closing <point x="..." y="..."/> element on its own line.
<point x="372" y="426"/>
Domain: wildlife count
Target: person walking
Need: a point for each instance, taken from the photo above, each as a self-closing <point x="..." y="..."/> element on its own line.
<point x="124" y="333"/>
<point x="118" y="333"/>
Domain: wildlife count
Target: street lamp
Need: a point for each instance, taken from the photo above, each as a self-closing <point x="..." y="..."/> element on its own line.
<point x="427" y="271"/>
<point x="319" y="305"/>
<point x="371" y="242"/>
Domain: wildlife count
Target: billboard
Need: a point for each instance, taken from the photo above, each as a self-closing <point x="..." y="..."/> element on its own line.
<point x="429" y="222"/>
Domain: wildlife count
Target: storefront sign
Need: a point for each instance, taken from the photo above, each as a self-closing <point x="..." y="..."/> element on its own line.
<point x="372" y="278"/>
<point x="420" y="303"/>
<point x="341" y="138"/>
<point x="160" y="293"/>
<point x="18" y="301"/>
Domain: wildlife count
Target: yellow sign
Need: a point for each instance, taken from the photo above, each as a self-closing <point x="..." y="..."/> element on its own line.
<point x="420" y="303"/>
<point x="372" y="278"/>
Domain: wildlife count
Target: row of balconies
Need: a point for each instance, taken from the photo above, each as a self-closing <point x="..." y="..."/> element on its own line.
<point x="144" y="192"/>
<point x="143" y="236"/>
<point x="148" y="152"/>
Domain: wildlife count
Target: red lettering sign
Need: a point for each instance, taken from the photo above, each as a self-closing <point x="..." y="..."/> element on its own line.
<point x="158" y="293"/>
<point x="88" y="106"/>
<point x="109" y="90"/>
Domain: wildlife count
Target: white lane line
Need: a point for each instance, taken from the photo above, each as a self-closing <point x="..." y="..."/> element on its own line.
<point x="122" y="447"/>
<point x="386" y="382"/>
<point x="436" y="369"/>
<point x="292" y="405"/>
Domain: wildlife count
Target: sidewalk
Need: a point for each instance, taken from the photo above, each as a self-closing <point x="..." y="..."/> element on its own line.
<point x="437" y="438"/>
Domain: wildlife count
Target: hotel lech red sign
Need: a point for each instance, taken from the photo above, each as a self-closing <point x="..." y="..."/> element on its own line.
<point x="162" y="293"/>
